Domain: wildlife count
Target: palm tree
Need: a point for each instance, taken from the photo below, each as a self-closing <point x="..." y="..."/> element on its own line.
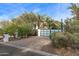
<point x="49" y="23"/>
<point x="75" y="11"/>
<point x="40" y="19"/>
<point x="34" y="19"/>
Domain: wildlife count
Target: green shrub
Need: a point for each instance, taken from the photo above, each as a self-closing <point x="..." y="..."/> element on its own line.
<point x="10" y="29"/>
<point x="71" y="26"/>
<point x="21" y="31"/>
<point x="63" y="39"/>
<point x="33" y="32"/>
<point x="24" y="30"/>
<point x="1" y="32"/>
<point x="77" y="36"/>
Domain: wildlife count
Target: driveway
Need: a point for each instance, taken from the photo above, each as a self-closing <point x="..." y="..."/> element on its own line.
<point x="33" y="42"/>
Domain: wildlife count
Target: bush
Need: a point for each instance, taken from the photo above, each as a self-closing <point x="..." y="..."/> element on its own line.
<point x="33" y="32"/>
<point x="24" y="30"/>
<point x="77" y="36"/>
<point x="1" y="32"/>
<point x="72" y="26"/>
<point x="63" y="39"/>
<point x="10" y="29"/>
<point x="21" y="32"/>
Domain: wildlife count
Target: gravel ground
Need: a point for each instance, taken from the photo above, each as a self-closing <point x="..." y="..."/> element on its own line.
<point x="33" y="42"/>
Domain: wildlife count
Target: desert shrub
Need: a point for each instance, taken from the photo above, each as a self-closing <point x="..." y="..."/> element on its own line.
<point x="10" y="29"/>
<point x="63" y="39"/>
<point x="77" y="36"/>
<point x="71" y="26"/>
<point x="24" y="30"/>
<point x="1" y="32"/>
<point x="21" y="31"/>
<point x="33" y="32"/>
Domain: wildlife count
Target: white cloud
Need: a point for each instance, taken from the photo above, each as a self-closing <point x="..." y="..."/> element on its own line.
<point x="4" y="17"/>
<point x="36" y="10"/>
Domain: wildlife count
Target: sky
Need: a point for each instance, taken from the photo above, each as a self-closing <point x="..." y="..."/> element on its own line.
<point x="56" y="10"/>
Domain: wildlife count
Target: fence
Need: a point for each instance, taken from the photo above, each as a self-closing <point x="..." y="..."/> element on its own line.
<point x="46" y="32"/>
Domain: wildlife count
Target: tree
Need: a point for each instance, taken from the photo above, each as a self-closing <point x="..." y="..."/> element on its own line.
<point x="33" y="18"/>
<point x="52" y="23"/>
<point x="71" y="26"/>
<point x="75" y="11"/>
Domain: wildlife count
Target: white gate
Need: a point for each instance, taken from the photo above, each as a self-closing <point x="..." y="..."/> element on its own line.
<point x="46" y="32"/>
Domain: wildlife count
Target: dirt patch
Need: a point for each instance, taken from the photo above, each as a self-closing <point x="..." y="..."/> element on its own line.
<point x="60" y="51"/>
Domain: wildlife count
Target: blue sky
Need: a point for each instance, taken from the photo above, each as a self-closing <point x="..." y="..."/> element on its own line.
<point x="55" y="10"/>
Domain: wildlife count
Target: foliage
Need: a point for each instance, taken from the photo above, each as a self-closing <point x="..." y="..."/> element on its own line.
<point x="26" y="23"/>
<point x="33" y="18"/>
<point x="77" y="36"/>
<point x="10" y="28"/>
<point x="63" y="39"/>
<point x="56" y="25"/>
<point x="1" y="32"/>
<point x="75" y="10"/>
<point x="24" y="30"/>
<point x="33" y="32"/>
<point x="71" y="26"/>
<point x="52" y="24"/>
